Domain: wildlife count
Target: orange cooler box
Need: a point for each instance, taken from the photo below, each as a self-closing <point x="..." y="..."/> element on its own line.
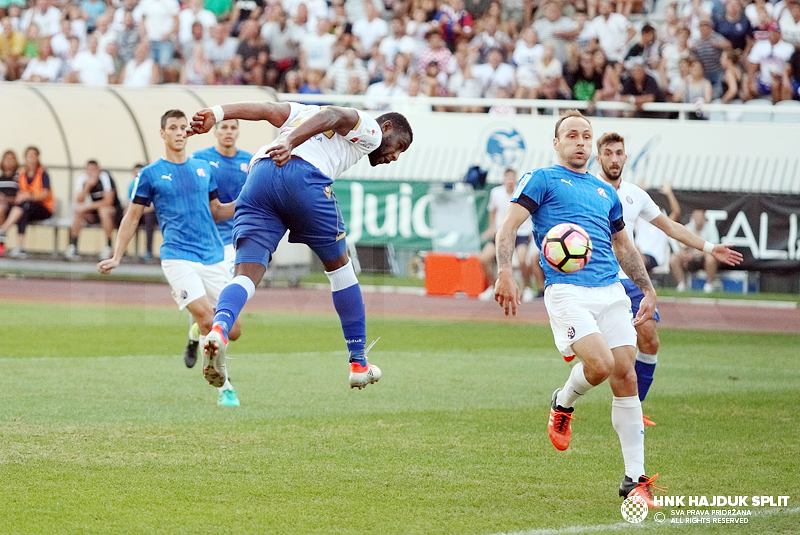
<point x="448" y="274"/>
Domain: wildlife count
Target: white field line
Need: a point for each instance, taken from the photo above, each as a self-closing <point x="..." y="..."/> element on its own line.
<point x="646" y="524"/>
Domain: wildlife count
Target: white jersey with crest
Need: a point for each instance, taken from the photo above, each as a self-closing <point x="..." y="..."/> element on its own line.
<point x="329" y="152"/>
<point x="635" y="203"/>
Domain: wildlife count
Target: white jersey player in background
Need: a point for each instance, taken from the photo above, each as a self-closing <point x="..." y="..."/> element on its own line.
<point x="636" y="203"/>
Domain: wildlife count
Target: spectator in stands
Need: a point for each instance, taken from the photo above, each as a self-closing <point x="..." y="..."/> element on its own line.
<point x="652" y="242"/>
<point x="252" y="60"/>
<point x="220" y="49"/>
<point x="548" y="66"/>
<point x="128" y="38"/>
<point x="96" y="201"/>
<point x="612" y="85"/>
<point x="646" y="48"/>
<point x="693" y="12"/>
<point x="9" y="186"/>
<point x="527" y="53"/>
<point x="191" y="13"/>
<point x="671" y="54"/>
<point x="583" y="80"/>
<point x="790" y="23"/>
<point x="316" y="49"/>
<point x="688" y="260"/>
<point x="33" y="41"/>
<point x="161" y="25"/>
<point x="46" y="17"/>
<point x="435" y="51"/>
<point x="491" y="37"/>
<point x="766" y="63"/>
<point x="733" y="78"/>
<point x="734" y="26"/>
<point x="370" y="29"/>
<point x="454" y="21"/>
<point x="463" y="82"/>
<point x="708" y="50"/>
<point x="696" y="90"/>
<point x="283" y="39"/>
<point x="12" y="44"/>
<point x="92" y="9"/>
<point x="791" y="77"/>
<point x="60" y="41"/>
<point x="244" y="10"/>
<point x="198" y="70"/>
<point x="292" y="82"/>
<point x="312" y="83"/>
<point x="105" y="35"/>
<point x="93" y="67"/>
<point x="141" y="70"/>
<point x="760" y="13"/>
<point x="556" y="29"/>
<point x="45" y="67"/>
<point x="613" y="31"/>
<point x="34" y="201"/>
<point x="667" y="31"/>
<point x="495" y="74"/>
<point x="397" y="41"/>
<point x="639" y="88"/>
<point x="345" y="67"/>
<point x="387" y="87"/>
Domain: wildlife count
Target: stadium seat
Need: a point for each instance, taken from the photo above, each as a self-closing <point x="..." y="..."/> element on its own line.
<point x="779" y="117"/>
<point x="757" y="116"/>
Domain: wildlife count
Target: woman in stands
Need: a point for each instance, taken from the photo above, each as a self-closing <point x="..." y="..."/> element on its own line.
<point x="34" y="202"/>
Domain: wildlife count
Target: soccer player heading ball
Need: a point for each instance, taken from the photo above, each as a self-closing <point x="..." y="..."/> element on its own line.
<point x="590" y="314"/>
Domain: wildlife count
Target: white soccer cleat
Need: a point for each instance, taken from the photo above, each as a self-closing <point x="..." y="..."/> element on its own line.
<point x="361" y="376"/>
<point x="214" y="369"/>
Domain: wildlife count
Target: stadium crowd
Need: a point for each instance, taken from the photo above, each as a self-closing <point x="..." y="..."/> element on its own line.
<point x="591" y="50"/>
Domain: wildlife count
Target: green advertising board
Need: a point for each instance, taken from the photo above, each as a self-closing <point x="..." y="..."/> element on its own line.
<point x="396" y="212"/>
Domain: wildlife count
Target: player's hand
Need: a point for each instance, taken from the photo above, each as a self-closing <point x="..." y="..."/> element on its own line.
<point x="647" y="309"/>
<point x="280" y="151"/>
<point x="202" y="122"/>
<point x="726" y="255"/>
<point x="506" y="293"/>
<point x="105" y="266"/>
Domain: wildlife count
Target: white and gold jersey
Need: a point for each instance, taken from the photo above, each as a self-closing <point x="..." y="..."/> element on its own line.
<point x="329" y="152"/>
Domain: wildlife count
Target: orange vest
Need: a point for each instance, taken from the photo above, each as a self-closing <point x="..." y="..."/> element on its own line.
<point x="36" y="188"/>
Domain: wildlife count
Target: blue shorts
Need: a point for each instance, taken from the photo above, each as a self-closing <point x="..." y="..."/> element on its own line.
<point x="635" y="295"/>
<point x="297" y="197"/>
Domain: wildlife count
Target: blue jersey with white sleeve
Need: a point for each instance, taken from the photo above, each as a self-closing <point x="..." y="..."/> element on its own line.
<point x="556" y="195"/>
<point x="180" y="194"/>
<point x="231" y="174"/>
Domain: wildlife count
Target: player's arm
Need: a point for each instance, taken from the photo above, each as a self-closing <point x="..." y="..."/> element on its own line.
<point x="506" y="292"/>
<point x="723" y="253"/>
<point x="127" y="229"/>
<point x="276" y="113"/>
<point x="631" y="263"/>
<point x="674" y="205"/>
<point x="329" y="119"/>
<point x="221" y="211"/>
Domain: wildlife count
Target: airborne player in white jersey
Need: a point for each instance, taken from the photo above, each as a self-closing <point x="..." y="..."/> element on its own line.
<point x="289" y="187"/>
<point x="637" y="203"/>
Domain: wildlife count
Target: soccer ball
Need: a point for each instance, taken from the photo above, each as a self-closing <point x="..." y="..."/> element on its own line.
<point x="567" y="247"/>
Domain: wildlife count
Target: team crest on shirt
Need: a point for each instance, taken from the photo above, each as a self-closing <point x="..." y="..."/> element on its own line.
<point x="571" y="333"/>
<point x="602" y="193"/>
<point x="328" y="191"/>
<point x="628" y="198"/>
<point x="243" y="168"/>
<point x="185" y="294"/>
<point x="201" y="172"/>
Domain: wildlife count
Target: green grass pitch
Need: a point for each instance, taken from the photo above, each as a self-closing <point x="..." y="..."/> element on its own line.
<point x="104" y="431"/>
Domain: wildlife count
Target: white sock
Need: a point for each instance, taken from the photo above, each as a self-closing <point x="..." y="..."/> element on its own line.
<point x="576" y="386"/>
<point x="626" y="417"/>
<point x="202" y="341"/>
<point x="342" y="278"/>
<point x="647" y="359"/>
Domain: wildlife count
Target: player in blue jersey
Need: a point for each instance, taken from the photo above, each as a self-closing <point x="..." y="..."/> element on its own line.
<point x="184" y="194"/>
<point x="289" y="187"/>
<point x="230" y="170"/>
<point x="590" y="315"/>
<point x="637" y="203"/>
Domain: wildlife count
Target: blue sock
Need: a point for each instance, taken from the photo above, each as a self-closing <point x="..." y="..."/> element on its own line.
<point x="644" y="375"/>
<point x="232" y="299"/>
<point x="350" y="307"/>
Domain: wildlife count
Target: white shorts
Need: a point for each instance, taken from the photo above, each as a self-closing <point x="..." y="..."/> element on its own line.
<point x="578" y="311"/>
<point x="190" y="281"/>
<point x="230" y="258"/>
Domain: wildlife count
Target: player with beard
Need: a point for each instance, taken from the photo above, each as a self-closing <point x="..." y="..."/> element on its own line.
<point x="289" y="187"/>
<point x="637" y="203"/>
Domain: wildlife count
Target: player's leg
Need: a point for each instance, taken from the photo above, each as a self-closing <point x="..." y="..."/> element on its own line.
<point x="647" y="342"/>
<point x="521" y="250"/>
<point x="486" y="260"/>
<point x="710" y="266"/>
<point x="536" y="270"/>
<point x="108" y="221"/>
<point x="79" y="220"/>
